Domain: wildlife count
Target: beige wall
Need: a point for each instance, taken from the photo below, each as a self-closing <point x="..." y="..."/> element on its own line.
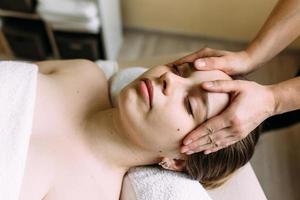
<point x="225" y="19"/>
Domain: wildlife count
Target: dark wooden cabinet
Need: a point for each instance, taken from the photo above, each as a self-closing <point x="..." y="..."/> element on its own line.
<point x="79" y="45"/>
<point x="18" y="5"/>
<point x="27" y="38"/>
<point x="37" y="41"/>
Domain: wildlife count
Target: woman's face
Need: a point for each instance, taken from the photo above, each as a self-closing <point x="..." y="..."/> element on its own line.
<point x="164" y="104"/>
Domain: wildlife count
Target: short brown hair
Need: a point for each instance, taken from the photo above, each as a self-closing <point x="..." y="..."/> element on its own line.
<point x="214" y="169"/>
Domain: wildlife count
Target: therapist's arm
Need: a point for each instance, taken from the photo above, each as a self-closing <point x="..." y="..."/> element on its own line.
<point x="281" y="28"/>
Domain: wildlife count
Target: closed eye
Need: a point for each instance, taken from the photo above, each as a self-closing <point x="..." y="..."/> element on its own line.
<point x="188" y="106"/>
<point x="177" y="71"/>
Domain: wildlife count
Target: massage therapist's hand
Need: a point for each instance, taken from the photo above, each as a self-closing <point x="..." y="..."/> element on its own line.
<point x="250" y="104"/>
<point x="232" y="63"/>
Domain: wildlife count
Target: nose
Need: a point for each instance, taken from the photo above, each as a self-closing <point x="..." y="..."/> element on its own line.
<point x="169" y="82"/>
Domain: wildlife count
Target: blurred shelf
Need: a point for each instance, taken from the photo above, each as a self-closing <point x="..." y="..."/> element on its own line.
<point x="109" y="34"/>
<point x="9" y="13"/>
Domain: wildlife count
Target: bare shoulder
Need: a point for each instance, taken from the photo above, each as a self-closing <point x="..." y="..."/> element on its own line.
<point x="66" y="66"/>
<point x="76" y="87"/>
<point x="77" y="69"/>
<point x="85" y="79"/>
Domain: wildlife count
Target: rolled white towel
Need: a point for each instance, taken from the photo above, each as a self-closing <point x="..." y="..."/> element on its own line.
<point x="85" y="9"/>
<point x="91" y="26"/>
<point x="109" y="67"/>
<point x="123" y="78"/>
<point x="153" y="183"/>
<point x="58" y="17"/>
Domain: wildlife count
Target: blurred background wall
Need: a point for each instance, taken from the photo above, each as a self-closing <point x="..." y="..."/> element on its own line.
<point x="233" y="20"/>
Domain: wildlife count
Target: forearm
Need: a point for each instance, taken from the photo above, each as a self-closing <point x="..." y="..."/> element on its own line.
<point x="281" y="28"/>
<point x="286" y="95"/>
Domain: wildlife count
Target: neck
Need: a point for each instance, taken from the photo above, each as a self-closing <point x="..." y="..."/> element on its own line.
<point x="110" y="141"/>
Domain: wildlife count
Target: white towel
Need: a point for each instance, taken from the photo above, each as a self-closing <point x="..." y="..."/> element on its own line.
<point x="109" y="67"/>
<point x="78" y="8"/>
<point x="122" y="78"/>
<point x="17" y="95"/>
<point x="153" y="183"/>
<point x="92" y="26"/>
<point x="70" y="15"/>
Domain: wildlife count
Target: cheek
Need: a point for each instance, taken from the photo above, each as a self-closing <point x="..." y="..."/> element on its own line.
<point x="170" y="124"/>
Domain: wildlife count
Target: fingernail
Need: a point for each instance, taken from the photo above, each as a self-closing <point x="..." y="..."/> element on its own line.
<point x="189" y="152"/>
<point x="184" y="149"/>
<point x="200" y="63"/>
<point x="207" y="152"/>
<point x="208" y="84"/>
<point x="188" y="142"/>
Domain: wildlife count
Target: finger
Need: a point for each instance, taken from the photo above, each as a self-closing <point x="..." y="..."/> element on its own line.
<point x="224" y="144"/>
<point x="199" y="146"/>
<point x="210" y="63"/>
<point x="204" y="52"/>
<point x="211" y="126"/>
<point x="207" y="139"/>
<point x="222" y="85"/>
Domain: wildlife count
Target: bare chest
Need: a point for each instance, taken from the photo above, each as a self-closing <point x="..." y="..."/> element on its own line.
<point x="59" y="169"/>
<point x="58" y="166"/>
<point x="85" y="181"/>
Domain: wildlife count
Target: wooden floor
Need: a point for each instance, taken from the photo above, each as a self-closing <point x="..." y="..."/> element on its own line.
<point x="277" y="157"/>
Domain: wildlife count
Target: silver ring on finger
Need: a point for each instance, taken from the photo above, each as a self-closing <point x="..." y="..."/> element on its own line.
<point x="210" y="131"/>
<point x="211" y="141"/>
<point x="216" y="144"/>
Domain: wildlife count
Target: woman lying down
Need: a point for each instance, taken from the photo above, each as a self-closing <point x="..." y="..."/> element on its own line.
<point x="81" y="146"/>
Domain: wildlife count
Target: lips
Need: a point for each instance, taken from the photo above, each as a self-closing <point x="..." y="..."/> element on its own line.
<point x="149" y="89"/>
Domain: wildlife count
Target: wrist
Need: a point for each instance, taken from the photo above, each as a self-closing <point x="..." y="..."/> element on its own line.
<point x="275" y="102"/>
<point x="255" y="55"/>
<point x="249" y="60"/>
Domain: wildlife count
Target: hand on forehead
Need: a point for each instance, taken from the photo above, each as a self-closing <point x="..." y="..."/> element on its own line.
<point x="216" y="102"/>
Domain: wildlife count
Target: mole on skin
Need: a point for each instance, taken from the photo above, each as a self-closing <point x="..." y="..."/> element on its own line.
<point x="178" y="129"/>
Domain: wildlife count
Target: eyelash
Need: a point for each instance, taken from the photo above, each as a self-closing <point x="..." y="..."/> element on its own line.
<point x="187" y="101"/>
<point x="177" y="71"/>
<point x="188" y="106"/>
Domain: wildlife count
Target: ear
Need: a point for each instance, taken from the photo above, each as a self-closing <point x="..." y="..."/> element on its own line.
<point x="175" y="164"/>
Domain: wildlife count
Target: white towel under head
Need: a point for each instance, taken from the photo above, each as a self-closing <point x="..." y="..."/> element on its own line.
<point x="154" y="183"/>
